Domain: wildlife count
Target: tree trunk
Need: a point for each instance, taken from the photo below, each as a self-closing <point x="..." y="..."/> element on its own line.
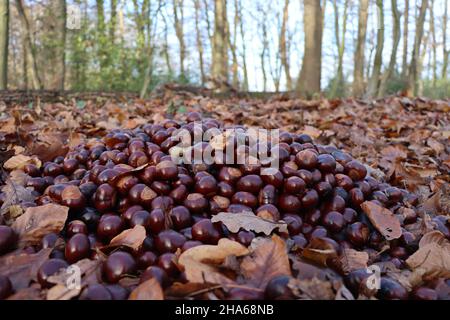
<point x="358" y="73"/>
<point x="113" y="23"/>
<point x="378" y="61"/>
<point x="31" y="66"/>
<point x="283" y="46"/>
<point x="101" y="41"/>
<point x="308" y="82"/>
<point x="396" y="32"/>
<point x="413" y="73"/>
<point x="233" y="47"/>
<point x="60" y="48"/>
<point x="199" y="41"/>
<point x="445" y="52"/>
<point x="244" y="47"/>
<point x="220" y="47"/>
<point x="340" y="43"/>
<point x="433" y="43"/>
<point x="178" y="14"/>
<point x="405" y="40"/>
<point x="4" y="40"/>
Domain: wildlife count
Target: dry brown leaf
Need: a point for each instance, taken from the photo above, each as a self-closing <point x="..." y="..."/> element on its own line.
<point x="249" y="222"/>
<point x="15" y="194"/>
<point x="432" y="260"/>
<point x="200" y="263"/>
<point x="21" y="268"/>
<point x="33" y="292"/>
<point x="131" y="238"/>
<point x="269" y="259"/>
<point x="148" y="290"/>
<point x="49" y="145"/>
<point x="312" y="289"/>
<point x="36" y="222"/>
<point x="319" y="251"/>
<point x="190" y="289"/>
<point x="88" y="271"/>
<point x="383" y="220"/>
<point x="17" y="162"/>
<point x="351" y="259"/>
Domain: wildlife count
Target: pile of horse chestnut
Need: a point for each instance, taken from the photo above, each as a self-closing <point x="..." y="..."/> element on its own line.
<point x="129" y="178"/>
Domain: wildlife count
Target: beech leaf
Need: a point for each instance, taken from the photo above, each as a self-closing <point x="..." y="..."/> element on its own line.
<point x="268" y="260"/>
<point x="249" y="222"/>
<point x="148" y="290"/>
<point x="36" y="222"/>
<point x="319" y="251"/>
<point x="432" y="260"/>
<point x="383" y="220"/>
<point x="201" y="263"/>
<point x="131" y="238"/>
<point x="21" y="268"/>
<point x="351" y="260"/>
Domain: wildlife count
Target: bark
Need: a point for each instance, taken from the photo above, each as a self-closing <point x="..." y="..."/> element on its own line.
<point x="4" y="41"/>
<point x="405" y="40"/>
<point x="233" y="47"/>
<point x="308" y="82"/>
<point x="199" y="41"/>
<point x="340" y="43"/>
<point x="445" y="52"/>
<point x="113" y="23"/>
<point x="358" y="74"/>
<point x="178" y="14"/>
<point x="396" y="34"/>
<point x="378" y="61"/>
<point x="31" y="66"/>
<point x="244" y="47"/>
<point x="433" y="43"/>
<point x="283" y="46"/>
<point x="220" y="47"/>
<point x="60" y="48"/>
<point x="413" y="73"/>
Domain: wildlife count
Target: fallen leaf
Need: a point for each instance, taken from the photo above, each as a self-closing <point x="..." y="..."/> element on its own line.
<point x="33" y="292"/>
<point x="131" y="238"/>
<point x="17" y="162"/>
<point x="383" y="220"/>
<point x="49" y="145"/>
<point x="21" y="268"/>
<point x="312" y="289"/>
<point x="351" y="259"/>
<point x="190" y="289"/>
<point x="36" y="222"/>
<point x="268" y="260"/>
<point x="15" y="195"/>
<point x="200" y="263"/>
<point x="88" y="271"/>
<point x="432" y="260"/>
<point x="319" y="251"/>
<point x="148" y="290"/>
<point x="249" y="222"/>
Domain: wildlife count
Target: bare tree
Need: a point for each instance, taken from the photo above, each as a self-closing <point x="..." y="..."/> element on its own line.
<point x="4" y="41"/>
<point x="60" y="45"/>
<point x="358" y="73"/>
<point x="113" y="22"/>
<point x="220" y="44"/>
<point x="405" y="40"/>
<point x="198" y="38"/>
<point x="232" y="42"/>
<point x="31" y="66"/>
<point x="308" y="82"/>
<point x="396" y="32"/>
<point x="238" y="5"/>
<point x="283" y="46"/>
<point x="340" y="43"/>
<point x="374" y="80"/>
<point x="413" y="73"/>
<point x="445" y="52"/>
<point x="433" y="43"/>
<point x="178" y="15"/>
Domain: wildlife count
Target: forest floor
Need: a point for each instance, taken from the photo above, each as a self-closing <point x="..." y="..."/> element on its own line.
<point x="403" y="141"/>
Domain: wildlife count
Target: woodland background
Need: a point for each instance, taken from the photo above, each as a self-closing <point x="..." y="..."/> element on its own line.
<point x="330" y="48"/>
